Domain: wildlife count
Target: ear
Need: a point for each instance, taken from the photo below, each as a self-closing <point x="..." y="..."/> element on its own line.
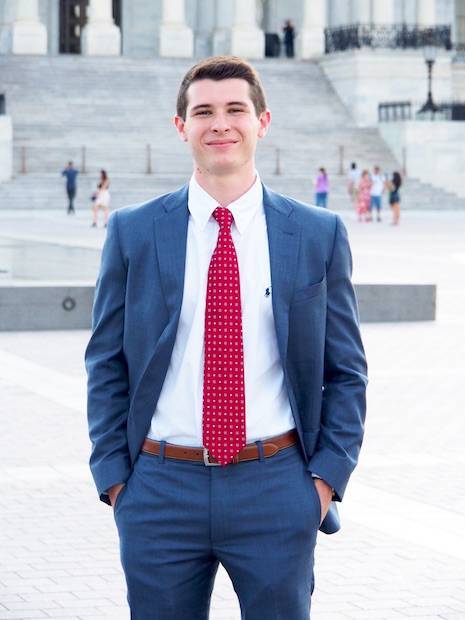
<point x="180" y="124"/>
<point x="264" y="122"/>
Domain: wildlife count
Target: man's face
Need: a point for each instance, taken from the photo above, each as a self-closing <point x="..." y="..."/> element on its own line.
<point x="221" y="125"/>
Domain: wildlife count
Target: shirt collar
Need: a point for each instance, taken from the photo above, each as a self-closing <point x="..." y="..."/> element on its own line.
<point x="201" y="205"/>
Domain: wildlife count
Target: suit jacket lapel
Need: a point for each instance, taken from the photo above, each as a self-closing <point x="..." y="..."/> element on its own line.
<point x="283" y="241"/>
<point x="171" y="241"/>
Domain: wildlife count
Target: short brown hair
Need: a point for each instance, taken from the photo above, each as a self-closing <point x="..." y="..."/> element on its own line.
<point x="222" y="68"/>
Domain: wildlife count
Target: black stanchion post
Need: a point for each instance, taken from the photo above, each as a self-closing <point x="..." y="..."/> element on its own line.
<point x="23" y="160"/>
<point x="149" y="159"/>
<point x="278" y="162"/>
<point x="83" y="160"/>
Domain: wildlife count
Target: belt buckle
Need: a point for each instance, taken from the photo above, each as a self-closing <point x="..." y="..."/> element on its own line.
<point x="206" y="456"/>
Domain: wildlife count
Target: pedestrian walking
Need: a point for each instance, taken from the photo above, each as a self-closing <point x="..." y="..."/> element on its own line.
<point x="353" y="178"/>
<point x="71" y="173"/>
<point x="101" y="199"/>
<point x="363" y="197"/>
<point x="289" y="36"/>
<point x="321" y="188"/>
<point x="376" y="192"/>
<point x="226" y="374"/>
<point x="394" y="197"/>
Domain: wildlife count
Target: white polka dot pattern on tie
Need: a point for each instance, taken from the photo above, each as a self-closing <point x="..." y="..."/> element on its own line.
<point x="223" y="382"/>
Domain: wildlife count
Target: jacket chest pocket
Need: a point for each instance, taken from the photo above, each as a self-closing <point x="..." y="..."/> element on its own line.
<point x="309" y="292"/>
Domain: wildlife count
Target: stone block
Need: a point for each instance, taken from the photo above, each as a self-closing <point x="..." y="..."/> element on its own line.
<point x="101" y="40"/>
<point x="248" y="42"/>
<point x="28" y="37"/>
<point x="47" y="306"/>
<point x="43" y="306"/>
<point x="176" y="41"/>
<point x="396" y="302"/>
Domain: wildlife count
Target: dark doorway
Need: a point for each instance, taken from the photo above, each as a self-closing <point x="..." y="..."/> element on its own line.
<point x="73" y="18"/>
<point x="117" y="13"/>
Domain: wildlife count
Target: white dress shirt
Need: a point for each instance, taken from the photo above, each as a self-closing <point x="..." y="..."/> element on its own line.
<point x="178" y="414"/>
<point x="377" y="185"/>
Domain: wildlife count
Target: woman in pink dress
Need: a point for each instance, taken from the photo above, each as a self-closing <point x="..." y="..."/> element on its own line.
<point x="363" y="197"/>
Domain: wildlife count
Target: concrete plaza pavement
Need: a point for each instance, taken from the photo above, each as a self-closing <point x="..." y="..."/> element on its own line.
<point x="401" y="551"/>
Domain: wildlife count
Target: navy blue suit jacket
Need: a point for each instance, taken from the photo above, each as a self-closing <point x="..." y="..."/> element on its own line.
<point x="136" y="312"/>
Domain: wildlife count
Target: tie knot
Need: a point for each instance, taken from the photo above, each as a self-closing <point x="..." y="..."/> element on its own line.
<point x="224" y="217"/>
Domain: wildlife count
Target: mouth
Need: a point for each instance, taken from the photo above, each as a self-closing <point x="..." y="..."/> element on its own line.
<point x="221" y="143"/>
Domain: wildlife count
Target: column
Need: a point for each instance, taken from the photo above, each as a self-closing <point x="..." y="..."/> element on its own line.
<point x="340" y="13"/>
<point x="101" y="36"/>
<point x="361" y="11"/>
<point x="460" y="23"/>
<point x="204" y="28"/>
<point x="29" y="35"/>
<point x="222" y="33"/>
<point x="176" y="38"/>
<point x="311" y="38"/>
<point x="426" y="13"/>
<point x="383" y="12"/>
<point x="247" y="39"/>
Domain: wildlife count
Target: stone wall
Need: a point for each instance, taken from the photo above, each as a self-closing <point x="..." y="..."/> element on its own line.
<point x="434" y="151"/>
<point x="364" y="78"/>
<point x="6" y="148"/>
<point x="458" y="81"/>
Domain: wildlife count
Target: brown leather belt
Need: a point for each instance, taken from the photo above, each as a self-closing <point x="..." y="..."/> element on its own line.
<point x="250" y="452"/>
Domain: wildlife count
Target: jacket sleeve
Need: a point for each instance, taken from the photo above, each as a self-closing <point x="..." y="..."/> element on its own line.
<point x="345" y="374"/>
<point x="108" y="384"/>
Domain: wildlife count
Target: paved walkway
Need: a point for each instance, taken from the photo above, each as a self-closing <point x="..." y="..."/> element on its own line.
<point x="401" y="552"/>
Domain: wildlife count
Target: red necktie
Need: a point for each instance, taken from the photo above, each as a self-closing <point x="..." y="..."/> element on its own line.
<point x="223" y="379"/>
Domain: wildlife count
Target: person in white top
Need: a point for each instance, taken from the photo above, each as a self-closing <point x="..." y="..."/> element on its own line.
<point x="378" y="183"/>
<point x="226" y="374"/>
<point x="101" y="199"/>
<point x="353" y="178"/>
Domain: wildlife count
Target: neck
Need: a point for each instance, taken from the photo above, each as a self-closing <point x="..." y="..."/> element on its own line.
<point x="225" y="188"/>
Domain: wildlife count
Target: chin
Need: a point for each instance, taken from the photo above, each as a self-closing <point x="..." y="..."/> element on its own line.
<point x="222" y="168"/>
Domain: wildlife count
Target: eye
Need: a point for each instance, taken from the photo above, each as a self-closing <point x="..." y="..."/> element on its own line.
<point x="236" y="110"/>
<point x="202" y="113"/>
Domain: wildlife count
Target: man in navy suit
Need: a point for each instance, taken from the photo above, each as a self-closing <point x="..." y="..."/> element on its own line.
<point x="226" y="391"/>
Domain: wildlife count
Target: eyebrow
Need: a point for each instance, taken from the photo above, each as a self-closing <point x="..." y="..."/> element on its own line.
<point x="209" y="105"/>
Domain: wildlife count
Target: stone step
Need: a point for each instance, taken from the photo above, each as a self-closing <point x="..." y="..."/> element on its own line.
<point x="47" y="191"/>
<point x="116" y="106"/>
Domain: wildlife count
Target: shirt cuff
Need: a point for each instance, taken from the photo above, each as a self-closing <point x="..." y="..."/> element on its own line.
<point x="317" y="477"/>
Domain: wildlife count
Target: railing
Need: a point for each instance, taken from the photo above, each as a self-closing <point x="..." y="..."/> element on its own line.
<point x="126" y="159"/>
<point x="409" y="110"/>
<point x="395" y="111"/>
<point x="391" y="36"/>
<point x="453" y="111"/>
<point x="149" y="160"/>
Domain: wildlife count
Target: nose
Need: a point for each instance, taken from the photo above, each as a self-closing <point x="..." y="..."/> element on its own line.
<point x="220" y="123"/>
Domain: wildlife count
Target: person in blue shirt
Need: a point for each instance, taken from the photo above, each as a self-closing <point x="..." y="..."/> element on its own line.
<point x="70" y="172"/>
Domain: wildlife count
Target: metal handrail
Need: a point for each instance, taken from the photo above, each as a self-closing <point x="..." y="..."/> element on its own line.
<point x="391" y="36"/>
<point x="391" y="111"/>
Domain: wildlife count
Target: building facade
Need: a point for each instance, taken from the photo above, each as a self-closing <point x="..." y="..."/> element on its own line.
<point x="198" y="28"/>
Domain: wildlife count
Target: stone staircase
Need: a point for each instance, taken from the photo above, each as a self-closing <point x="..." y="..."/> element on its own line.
<point x="117" y="114"/>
